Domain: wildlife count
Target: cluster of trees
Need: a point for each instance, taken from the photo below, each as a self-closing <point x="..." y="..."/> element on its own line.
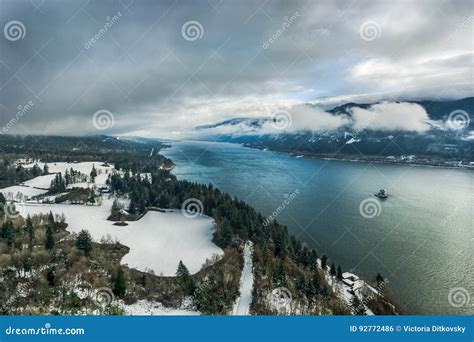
<point x="34" y="254"/>
<point x="60" y="183"/>
<point x="11" y="173"/>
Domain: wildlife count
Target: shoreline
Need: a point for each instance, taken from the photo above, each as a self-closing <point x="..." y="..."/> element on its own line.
<point x="368" y="159"/>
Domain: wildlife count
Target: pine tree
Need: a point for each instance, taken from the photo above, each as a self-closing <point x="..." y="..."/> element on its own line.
<point x="339" y="272"/>
<point x="45" y="169"/>
<point x="49" y="239"/>
<point x="182" y="271"/>
<point x="8" y="232"/>
<point x="120" y="284"/>
<point x="84" y="242"/>
<point x="358" y="307"/>
<point x="93" y="174"/>
<point x="324" y="261"/>
<point x="36" y="170"/>
<point x="185" y="279"/>
<point x="30" y="230"/>
<point x="51" y="218"/>
<point x="332" y="270"/>
<point x="2" y="204"/>
<point x="379" y="279"/>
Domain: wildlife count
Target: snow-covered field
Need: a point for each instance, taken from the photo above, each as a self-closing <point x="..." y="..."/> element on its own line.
<point x="37" y="185"/>
<point x="147" y="308"/>
<point x="11" y="192"/>
<point x="43" y="182"/>
<point x="83" y="167"/>
<point x="242" y="305"/>
<point x="157" y="241"/>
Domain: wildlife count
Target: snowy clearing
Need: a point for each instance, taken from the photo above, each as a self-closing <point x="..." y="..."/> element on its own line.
<point x="147" y="308"/>
<point x="157" y="241"/>
<point x="11" y="193"/>
<point x="43" y="182"/>
<point x="38" y="185"/>
<point x="242" y="305"/>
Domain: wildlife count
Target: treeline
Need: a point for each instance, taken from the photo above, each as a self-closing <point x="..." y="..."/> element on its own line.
<point x="44" y="269"/>
<point x="280" y="260"/>
<point x="12" y="174"/>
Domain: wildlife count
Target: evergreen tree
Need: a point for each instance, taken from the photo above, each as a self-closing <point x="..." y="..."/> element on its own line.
<point x="339" y="272"/>
<point x="358" y="307"/>
<point x="332" y="271"/>
<point x="8" y="232"/>
<point x="45" y="169"/>
<point x="51" y="219"/>
<point x="379" y="279"/>
<point x="3" y="201"/>
<point x="84" y="242"/>
<point x="49" y="239"/>
<point x="185" y="279"/>
<point x="93" y="174"/>
<point x="324" y="261"/>
<point x="182" y="271"/>
<point x="120" y="284"/>
<point x="30" y="230"/>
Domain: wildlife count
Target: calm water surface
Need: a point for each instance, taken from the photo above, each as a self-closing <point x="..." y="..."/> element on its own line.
<point x="421" y="240"/>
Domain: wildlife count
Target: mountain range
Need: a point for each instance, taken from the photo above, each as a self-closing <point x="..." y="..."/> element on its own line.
<point x="442" y="132"/>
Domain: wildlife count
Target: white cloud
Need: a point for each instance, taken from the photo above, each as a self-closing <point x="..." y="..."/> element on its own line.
<point x="385" y="116"/>
<point x="310" y="118"/>
<point x="391" y="116"/>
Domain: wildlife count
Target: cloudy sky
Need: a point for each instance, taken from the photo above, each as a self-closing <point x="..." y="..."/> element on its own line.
<point x="157" y="67"/>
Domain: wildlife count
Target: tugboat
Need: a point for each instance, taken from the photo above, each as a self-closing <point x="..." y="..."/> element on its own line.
<point x="382" y="194"/>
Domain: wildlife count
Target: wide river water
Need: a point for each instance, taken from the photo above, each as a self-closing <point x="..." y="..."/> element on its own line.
<point x="420" y="238"/>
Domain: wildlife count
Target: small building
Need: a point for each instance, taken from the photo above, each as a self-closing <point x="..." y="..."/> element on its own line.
<point x="349" y="279"/>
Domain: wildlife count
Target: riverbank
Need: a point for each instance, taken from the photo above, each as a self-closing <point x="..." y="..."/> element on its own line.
<point x="390" y="160"/>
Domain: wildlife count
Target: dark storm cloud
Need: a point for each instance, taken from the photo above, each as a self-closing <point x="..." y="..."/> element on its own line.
<point x="130" y="58"/>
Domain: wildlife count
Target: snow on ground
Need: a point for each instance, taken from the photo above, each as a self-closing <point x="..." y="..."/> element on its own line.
<point x="43" y="182"/>
<point x="148" y="308"/>
<point x="343" y="291"/>
<point x="242" y="305"/>
<point x="83" y="167"/>
<point x="146" y="176"/>
<point x="12" y="191"/>
<point x="28" y="188"/>
<point x="157" y="241"/>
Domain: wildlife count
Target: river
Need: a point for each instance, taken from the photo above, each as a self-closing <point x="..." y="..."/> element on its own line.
<point x="420" y="238"/>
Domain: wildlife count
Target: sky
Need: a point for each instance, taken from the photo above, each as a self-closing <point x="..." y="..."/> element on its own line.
<point x="160" y="68"/>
